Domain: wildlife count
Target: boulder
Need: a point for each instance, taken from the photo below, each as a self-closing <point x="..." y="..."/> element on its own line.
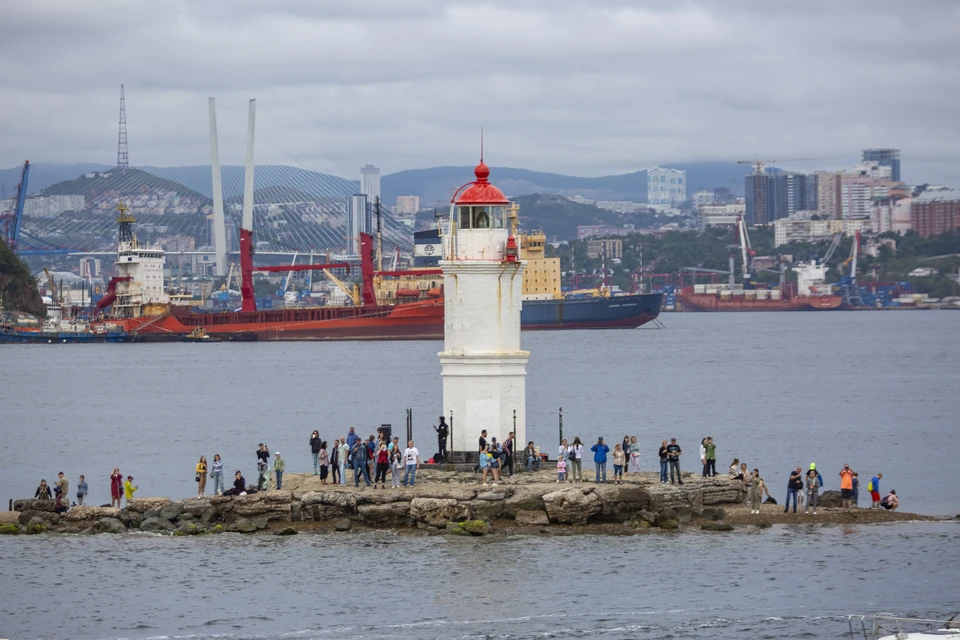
<point x="47" y="517"/>
<point x="346" y="502"/>
<point x="343" y="524"/>
<point x="210" y="515"/>
<point x="324" y="512"/>
<point x="667" y="515"/>
<point x="454" y="529"/>
<point x="261" y="523"/>
<point x="9" y="517"/>
<point x="35" y="528"/>
<point x="621" y="502"/>
<point x="713" y="514"/>
<point x="684" y="514"/>
<point x="172" y="511"/>
<point x="34" y="505"/>
<point x="498" y="493"/>
<point x="476" y="527"/>
<point x="108" y="525"/>
<point x="447" y="492"/>
<point x="186" y="517"/>
<point x="438" y="511"/>
<point x="130" y="519"/>
<point x="645" y="516"/>
<point x="721" y="490"/>
<point x="189" y="529"/>
<point x="81" y="513"/>
<point x="668" y="525"/>
<point x="395" y="513"/>
<point x="572" y="506"/>
<point x="763" y="524"/>
<point x="242" y="526"/>
<point x="156" y="525"/>
<point x="712" y="525"/>
<point x="9" y="529"/>
<point x="142" y="505"/>
<point x="537" y="517"/>
<point x="149" y="513"/>
<point x="273" y="505"/>
<point x="523" y="499"/>
<point x="286" y="531"/>
<point x="829" y="499"/>
<point x="195" y="506"/>
<point x="488" y="509"/>
<point x="770" y="500"/>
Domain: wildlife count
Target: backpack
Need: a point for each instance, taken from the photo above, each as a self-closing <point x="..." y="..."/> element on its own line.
<point x="870" y="486"/>
<point x="573" y="453"/>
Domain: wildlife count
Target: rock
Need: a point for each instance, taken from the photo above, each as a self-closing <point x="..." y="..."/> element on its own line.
<point x="396" y="513"/>
<point x="172" y="511"/>
<point x="272" y="505"/>
<point x="35" y="528"/>
<point x="763" y="524"/>
<point x="684" y="514"/>
<point x="538" y="517"/>
<point x="130" y="519"/>
<point x="9" y="517"/>
<point x="437" y="512"/>
<point x="447" y="492"/>
<point x="476" y="527"/>
<point x="35" y="505"/>
<point x="494" y="494"/>
<point x="668" y="525"/>
<point x="210" y="515"/>
<point x="343" y="524"/>
<point x="261" y="523"/>
<point x="149" y="513"/>
<point x="713" y="514"/>
<point x="712" y="525"/>
<point x="142" y="505"/>
<point x="47" y="517"/>
<point x="523" y="499"/>
<point x="186" y="517"/>
<point x="195" y="506"/>
<point x="621" y="502"/>
<point x="9" y="529"/>
<point x="485" y="509"/>
<point x="454" y="528"/>
<point x="217" y="529"/>
<point x="770" y="500"/>
<point x="645" y="516"/>
<point x="242" y="526"/>
<point x="667" y="515"/>
<point x="108" y="525"/>
<point x="347" y="502"/>
<point x="156" y="525"/>
<point x="189" y="529"/>
<point x="90" y="513"/>
<point x="324" y="512"/>
<point x="829" y="499"/>
<point x="637" y="524"/>
<point x="286" y="531"/>
<point x="571" y="506"/>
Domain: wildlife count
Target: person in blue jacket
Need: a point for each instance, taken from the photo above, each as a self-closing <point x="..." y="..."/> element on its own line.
<point x="600" y="451"/>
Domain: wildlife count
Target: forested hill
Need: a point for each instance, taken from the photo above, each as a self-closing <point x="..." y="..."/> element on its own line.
<point x="17" y="286"/>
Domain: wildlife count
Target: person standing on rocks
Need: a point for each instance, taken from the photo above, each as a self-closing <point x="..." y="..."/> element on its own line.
<point x="619" y="461"/>
<point x="561" y="468"/>
<point x="43" y="491"/>
<point x="335" y="462"/>
<point x="711" y="458"/>
<point x="116" y="487"/>
<point x="263" y="453"/>
<point x="633" y="459"/>
<point x="279" y="466"/>
<point x="344" y="458"/>
<point x="794" y="486"/>
<point x="576" y="470"/>
<point x="673" y="455"/>
<point x="411" y="458"/>
<point x="856" y="489"/>
<point x="443" y="432"/>
<point x="482" y="446"/>
<point x="757" y="489"/>
<point x="315" y="451"/>
<point x="201" y="476"/>
<point x="846" y="486"/>
<point x="703" y="456"/>
<point x="563" y="453"/>
<point x="263" y="468"/>
<point x="64" y="485"/>
<point x="358" y="458"/>
<point x="396" y="463"/>
<point x="371" y="454"/>
<point x="352" y="438"/>
<point x="82" y="491"/>
<point x="600" y="451"/>
<point x="508" y="452"/>
<point x="874" y="489"/>
<point x="813" y="481"/>
<point x="129" y="489"/>
<point x="217" y="474"/>
<point x="483" y="461"/>
<point x="323" y="459"/>
<point x="664" y="462"/>
<point x="383" y="464"/>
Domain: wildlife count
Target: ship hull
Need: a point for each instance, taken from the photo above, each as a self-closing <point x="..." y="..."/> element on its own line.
<point x="714" y="302"/>
<point x="46" y="337"/>
<point x="615" y="312"/>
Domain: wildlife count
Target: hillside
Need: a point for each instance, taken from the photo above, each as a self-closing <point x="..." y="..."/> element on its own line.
<point x="17" y="286"/>
<point x="438" y="183"/>
<point x="44" y="174"/>
<point x="128" y="181"/>
<point x="318" y="185"/>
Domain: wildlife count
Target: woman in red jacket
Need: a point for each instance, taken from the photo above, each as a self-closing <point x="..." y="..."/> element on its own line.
<point x="116" y="487"/>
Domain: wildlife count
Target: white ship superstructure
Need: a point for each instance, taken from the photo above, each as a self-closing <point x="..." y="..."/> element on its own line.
<point x="140" y="271"/>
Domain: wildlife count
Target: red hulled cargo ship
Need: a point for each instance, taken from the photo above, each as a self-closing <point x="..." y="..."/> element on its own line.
<point x="754" y="300"/>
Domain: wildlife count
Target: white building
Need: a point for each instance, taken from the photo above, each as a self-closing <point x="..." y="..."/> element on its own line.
<point x="891" y="215"/>
<point x="715" y="215"/>
<point x="666" y="186"/>
<point x="483" y="368"/>
<point x="90" y="268"/>
<point x="791" y="229"/>
<point x="370" y="182"/>
<point x="359" y="220"/>
<point x="408" y="205"/>
<point x="49" y="206"/>
<point x="701" y="198"/>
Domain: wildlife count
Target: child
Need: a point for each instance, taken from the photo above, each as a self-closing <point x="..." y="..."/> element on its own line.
<point x="561" y="469"/>
<point x="619" y="460"/>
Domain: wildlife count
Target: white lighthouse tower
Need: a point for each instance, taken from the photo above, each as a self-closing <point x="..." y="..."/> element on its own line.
<point x="484" y="369"/>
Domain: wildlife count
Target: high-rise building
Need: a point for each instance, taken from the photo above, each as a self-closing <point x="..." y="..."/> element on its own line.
<point x="665" y="186"/>
<point x="777" y="194"/>
<point x="935" y="211"/>
<point x="701" y="198"/>
<point x="359" y="220"/>
<point x="408" y="205"/>
<point x="887" y="157"/>
<point x="370" y="182"/>
<point x="843" y="194"/>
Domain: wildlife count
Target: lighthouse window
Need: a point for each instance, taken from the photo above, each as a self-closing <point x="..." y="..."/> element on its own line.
<point x="465" y="218"/>
<point x="482" y="218"/>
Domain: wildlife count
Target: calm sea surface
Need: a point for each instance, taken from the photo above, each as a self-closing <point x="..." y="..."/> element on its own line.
<point x="876" y="390"/>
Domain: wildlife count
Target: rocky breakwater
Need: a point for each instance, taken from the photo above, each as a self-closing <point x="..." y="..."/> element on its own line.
<point x="441" y="502"/>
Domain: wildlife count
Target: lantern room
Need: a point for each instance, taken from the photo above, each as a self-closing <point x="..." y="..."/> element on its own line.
<point x="479" y="211"/>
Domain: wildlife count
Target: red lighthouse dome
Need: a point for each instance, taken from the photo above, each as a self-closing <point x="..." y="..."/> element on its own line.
<point x="481" y="191"/>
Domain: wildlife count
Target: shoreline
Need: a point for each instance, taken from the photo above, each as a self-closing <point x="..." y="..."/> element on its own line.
<point x="452" y="503"/>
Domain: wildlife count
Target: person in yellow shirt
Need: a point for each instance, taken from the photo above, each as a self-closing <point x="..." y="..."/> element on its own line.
<point x="201" y="476"/>
<point x="129" y="489"/>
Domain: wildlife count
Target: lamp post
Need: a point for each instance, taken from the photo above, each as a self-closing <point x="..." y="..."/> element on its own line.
<point x="561" y="426"/>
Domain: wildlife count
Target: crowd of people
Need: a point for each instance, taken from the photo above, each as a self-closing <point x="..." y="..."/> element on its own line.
<point x="372" y="458"/>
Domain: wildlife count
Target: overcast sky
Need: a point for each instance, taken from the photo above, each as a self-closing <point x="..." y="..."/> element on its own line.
<point x="582" y="87"/>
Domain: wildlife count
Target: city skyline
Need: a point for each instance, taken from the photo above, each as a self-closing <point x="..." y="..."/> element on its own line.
<point x="577" y="89"/>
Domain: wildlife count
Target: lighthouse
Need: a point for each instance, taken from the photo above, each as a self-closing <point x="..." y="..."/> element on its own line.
<point x="483" y="367"/>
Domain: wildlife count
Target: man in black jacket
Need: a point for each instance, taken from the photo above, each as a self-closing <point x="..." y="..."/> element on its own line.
<point x="443" y="431"/>
<point x="673" y="454"/>
<point x="483" y="445"/>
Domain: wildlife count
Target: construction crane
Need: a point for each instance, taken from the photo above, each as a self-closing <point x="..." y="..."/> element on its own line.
<point x="832" y="249"/>
<point x="53" y="288"/>
<point x="12" y="222"/>
<point x="352" y="293"/>
<point x="848" y="284"/>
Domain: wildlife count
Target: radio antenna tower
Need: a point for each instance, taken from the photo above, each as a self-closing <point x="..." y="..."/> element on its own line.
<point x="122" y="160"/>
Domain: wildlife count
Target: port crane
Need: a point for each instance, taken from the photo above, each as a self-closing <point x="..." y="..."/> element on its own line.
<point x="11" y="223"/>
<point x="848" y="284"/>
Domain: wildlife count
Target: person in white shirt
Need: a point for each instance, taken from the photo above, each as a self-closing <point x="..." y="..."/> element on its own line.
<point x="411" y="458"/>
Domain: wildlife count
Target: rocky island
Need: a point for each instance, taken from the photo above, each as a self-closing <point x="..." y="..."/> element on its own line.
<point x="446" y="502"/>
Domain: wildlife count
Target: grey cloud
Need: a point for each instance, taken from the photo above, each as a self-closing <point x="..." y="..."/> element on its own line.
<point x="585" y="87"/>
